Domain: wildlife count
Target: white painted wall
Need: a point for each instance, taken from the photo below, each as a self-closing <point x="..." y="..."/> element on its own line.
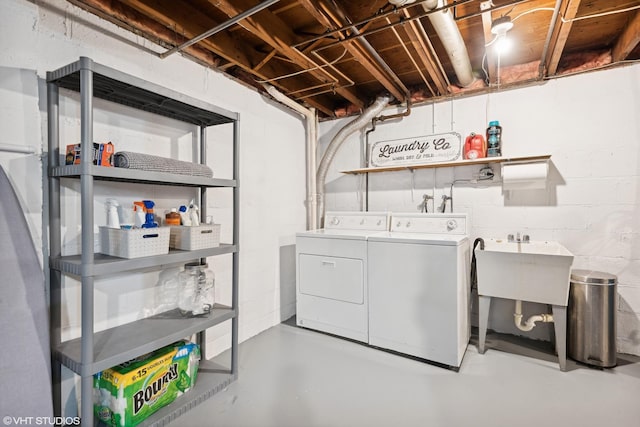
<point x="587" y="123"/>
<point x="36" y="37"/>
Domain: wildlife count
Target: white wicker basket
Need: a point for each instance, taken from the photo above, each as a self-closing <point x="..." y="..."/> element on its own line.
<point x="134" y="243"/>
<point x="194" y="238"/>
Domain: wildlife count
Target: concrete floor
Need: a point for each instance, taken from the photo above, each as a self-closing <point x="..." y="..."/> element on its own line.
<point x="290" y="376"/>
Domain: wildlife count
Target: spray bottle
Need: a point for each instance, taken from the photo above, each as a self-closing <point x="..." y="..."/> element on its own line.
<point x="184" y="215"/>
<point x="194" y="214"/>
<point x="149" y="218"/>
<point x="139" y="214"/>
<point x="113" y="221"/>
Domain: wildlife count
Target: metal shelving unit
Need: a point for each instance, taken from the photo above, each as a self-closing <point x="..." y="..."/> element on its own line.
<point x="96" y="351"/>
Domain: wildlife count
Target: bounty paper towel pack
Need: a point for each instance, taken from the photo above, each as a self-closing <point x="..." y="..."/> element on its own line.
<point x="128" y="393"/>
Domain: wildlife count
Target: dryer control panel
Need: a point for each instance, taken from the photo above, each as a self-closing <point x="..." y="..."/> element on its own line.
<point x="429" y="223"/>
<point x="374" y="221"/>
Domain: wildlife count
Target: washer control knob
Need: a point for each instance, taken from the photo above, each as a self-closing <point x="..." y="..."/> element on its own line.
<point x="398" y="224"/>
<point x="452" y="225"/>
<point x="379" y="222"/>
<point x="362" y="221"/>
<point x="335" y="220"/>
<point x="408" y="224"/>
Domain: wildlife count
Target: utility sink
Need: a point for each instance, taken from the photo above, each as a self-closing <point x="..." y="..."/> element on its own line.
<point x="536" y="271"/>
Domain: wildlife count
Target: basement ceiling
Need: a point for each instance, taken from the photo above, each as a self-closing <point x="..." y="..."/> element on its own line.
<point x="339" y="55"/>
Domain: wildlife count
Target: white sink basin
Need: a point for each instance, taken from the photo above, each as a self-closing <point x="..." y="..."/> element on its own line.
<point x="537" y="271"/>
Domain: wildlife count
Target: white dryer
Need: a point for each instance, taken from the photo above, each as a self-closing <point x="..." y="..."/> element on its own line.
<point x="419" y="296"/>
<point x="331" y="291"/>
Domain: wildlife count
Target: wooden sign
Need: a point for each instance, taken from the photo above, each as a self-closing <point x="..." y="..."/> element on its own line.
<point x="442" y="147"/>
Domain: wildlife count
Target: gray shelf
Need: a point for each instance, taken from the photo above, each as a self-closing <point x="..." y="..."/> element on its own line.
<point x="131" y="91"/>
<point x="139" y="176"/>
<point x="105" y="264"/>
<point x="212" y="379"/>
<point x="96" y="351"/>
<point x="122" y="343"/>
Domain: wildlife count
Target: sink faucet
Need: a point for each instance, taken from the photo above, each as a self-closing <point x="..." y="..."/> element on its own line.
<point x="443" y="205"/>
<point x="518" y="239"/>
<point x="425" y="200"/>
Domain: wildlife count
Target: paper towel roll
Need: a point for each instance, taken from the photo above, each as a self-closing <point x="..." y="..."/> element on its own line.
<point x="525" y="176"/>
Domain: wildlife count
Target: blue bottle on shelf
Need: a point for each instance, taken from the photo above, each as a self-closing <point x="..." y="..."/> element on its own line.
<point x="494" y="139"/>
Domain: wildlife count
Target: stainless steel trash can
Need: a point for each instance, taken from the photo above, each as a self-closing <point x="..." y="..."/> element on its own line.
<point x="592" y="317"/>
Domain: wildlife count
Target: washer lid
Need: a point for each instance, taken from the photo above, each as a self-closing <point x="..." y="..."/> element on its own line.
<point x="419" y="238"/>
<point x="593" y="277"/>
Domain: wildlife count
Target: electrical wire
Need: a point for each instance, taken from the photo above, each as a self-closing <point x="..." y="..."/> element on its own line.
<point x="537" y="9"/>
<point x="598" y="15"/>
<point x="305" y="70"/>
<point x="579" y="18"/>
<point x="602" y="67"/>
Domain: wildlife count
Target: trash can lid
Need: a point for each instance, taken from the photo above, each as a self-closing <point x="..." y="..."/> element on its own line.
<point x="593" y="277"/>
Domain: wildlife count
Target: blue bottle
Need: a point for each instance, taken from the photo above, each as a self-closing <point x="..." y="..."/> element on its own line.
<point x="494" y="139"/>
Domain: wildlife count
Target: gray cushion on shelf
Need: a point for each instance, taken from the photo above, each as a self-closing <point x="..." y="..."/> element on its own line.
<point x="148" y="162"/>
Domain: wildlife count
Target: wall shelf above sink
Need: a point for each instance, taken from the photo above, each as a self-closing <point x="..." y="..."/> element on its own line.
<point x="482" y="161"/>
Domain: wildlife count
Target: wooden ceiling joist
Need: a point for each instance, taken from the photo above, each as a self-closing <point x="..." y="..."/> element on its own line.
<point x="277" y="34"/>
<point x="568" y="11"/>
<point x="361" y="48"/>
<point x="331" y="22"/>
<point x="140" y="24"/>
<point x="628" y="40"/>
<point x="161" y="24"/>
<point x="426" y="54"/>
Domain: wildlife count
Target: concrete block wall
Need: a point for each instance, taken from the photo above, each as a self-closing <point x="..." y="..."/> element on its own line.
<point x="36" y="37"/>
<point x="587" y="123"/>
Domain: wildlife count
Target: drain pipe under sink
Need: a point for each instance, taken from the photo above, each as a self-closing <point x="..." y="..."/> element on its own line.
<point x="530" y="323"/>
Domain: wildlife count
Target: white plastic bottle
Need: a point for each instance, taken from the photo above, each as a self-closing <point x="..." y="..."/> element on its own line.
<point x="113" y="220"/>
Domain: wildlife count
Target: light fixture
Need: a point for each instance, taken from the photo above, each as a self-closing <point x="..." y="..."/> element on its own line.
<point x="501" y="25"/>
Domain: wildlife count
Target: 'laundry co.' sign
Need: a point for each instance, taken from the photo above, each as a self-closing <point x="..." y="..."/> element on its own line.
<point x="442" y="147"/>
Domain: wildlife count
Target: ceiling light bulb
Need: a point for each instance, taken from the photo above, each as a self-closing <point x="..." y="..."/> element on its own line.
<point x="501" y="25"/>
<point x="503" y="44"/>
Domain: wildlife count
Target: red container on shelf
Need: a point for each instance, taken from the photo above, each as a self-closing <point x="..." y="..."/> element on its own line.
<point x="475" y="147"/>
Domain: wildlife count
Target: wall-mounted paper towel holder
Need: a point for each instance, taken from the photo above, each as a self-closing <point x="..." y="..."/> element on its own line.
<point x="525" y="175"/>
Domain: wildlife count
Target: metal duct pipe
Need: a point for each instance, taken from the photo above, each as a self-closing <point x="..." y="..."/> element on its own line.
<point x="311" y="146"/>
<point x="337" y="141"/>
<point x="451" y="38"/>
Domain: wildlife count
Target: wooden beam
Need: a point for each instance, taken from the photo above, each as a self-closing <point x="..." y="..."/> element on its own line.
<point x="162" y="29"/>
<point x="277" y="34"/>
<point x="628" y="40"/>
<point x="266" y="59"/>
<point x="191" y="24"/>
<point x="354" y="47"/>
<point x="568" y="11"/>
<point x="138" y="23"/>
<point x="421" y="43"/>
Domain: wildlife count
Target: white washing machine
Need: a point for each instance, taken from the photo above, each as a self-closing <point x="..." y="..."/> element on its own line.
<point x="331" y="291"/>
<point x="419" y="296"/>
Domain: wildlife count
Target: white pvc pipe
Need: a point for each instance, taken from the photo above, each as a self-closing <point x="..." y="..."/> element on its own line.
<point x="452" y="41"/>
<point x="530" y="323"/>
<point x="311" y="147"/>
<point x="12" y="148"/>
<point x="351" y="127"/>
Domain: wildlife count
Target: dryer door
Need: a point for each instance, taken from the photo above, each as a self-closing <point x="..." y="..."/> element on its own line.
<point x="340" y="279"/>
